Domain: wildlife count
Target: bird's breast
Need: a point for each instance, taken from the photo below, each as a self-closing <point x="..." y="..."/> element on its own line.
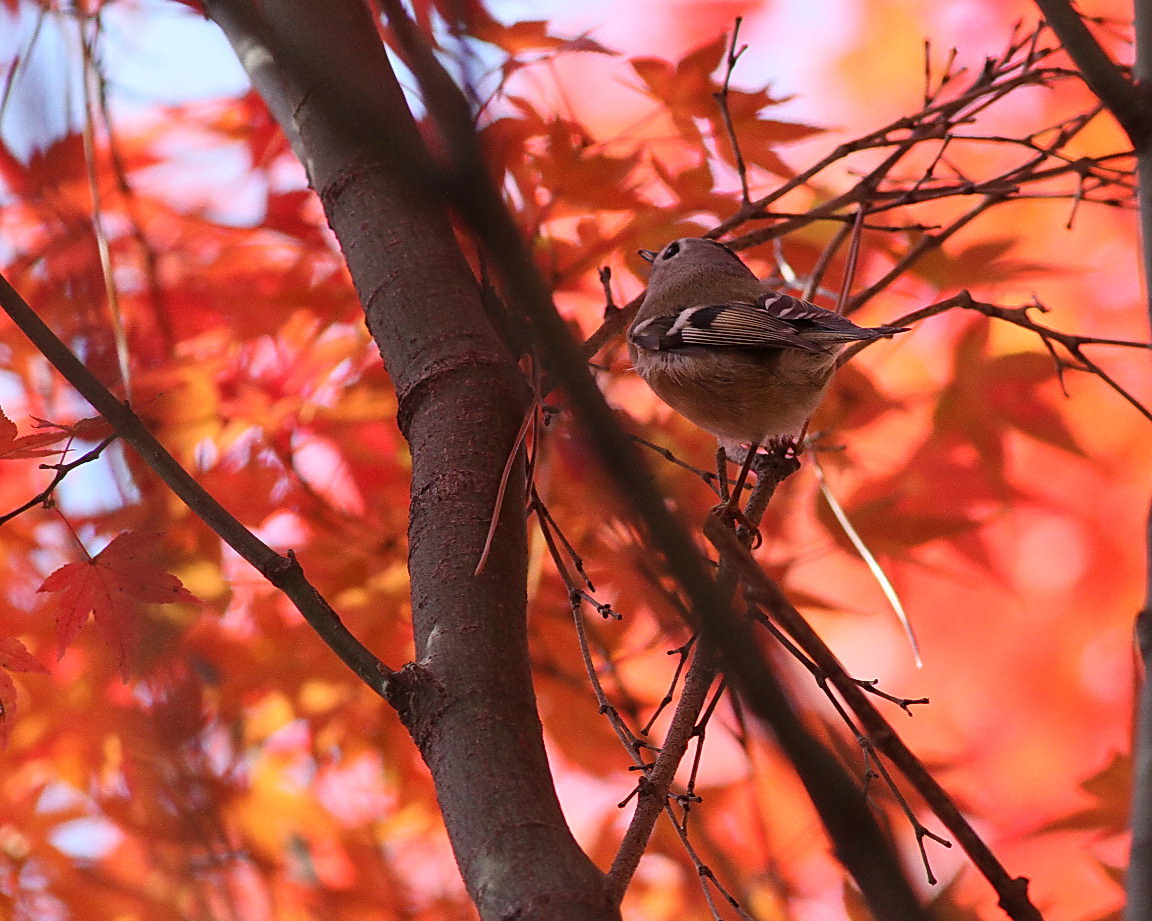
<point x="737" y="396"/>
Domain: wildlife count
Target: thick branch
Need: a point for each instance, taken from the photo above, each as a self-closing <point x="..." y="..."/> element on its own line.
<point x="652" y="792"/>
<point x="1100" y="72"/>
<point x="468" y="701"/>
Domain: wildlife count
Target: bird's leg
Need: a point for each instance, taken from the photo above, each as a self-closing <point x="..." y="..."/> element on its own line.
<point x="797" y="444"/>
<point x="729" y="507"/>
<point x="722" y="474"/>
<point x="734" y="501"/>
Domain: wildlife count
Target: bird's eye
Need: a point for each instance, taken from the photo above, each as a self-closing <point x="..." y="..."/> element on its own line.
<point x="670" y="250"/>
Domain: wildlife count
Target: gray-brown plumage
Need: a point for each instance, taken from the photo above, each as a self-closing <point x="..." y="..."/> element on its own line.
<point x="747" y="364"/>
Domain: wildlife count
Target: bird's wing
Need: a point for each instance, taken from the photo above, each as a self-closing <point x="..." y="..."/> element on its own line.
<point x="787" y="307"/>
<point x="731" y="325"/>
<point x="804" y="315"/>
<point x="820" y="324"/>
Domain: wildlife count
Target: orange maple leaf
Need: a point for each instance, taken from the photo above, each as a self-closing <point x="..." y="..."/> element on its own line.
<point x="107" y="585"/>
<point x="14" y="657"/>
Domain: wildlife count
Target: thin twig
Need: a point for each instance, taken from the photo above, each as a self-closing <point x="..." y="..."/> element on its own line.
<point x="726" y="115"/>
<point x="689" y="797"/>
<point x="62" y="470"/>
<point x="509" y="466"/>
<point x="705" y="873"/>
<point x="708" y="476"/>
<point x="869" y="558"/>
<point x="812" y="285"/>
<point x="871" y="757"/>
<point x="682" y="653"/>
<point x="538" y="506"/>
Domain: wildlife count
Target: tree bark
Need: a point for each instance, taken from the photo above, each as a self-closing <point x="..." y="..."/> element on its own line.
<point x="468" y="699"/>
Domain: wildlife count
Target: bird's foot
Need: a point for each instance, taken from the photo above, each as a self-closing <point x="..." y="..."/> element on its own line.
<point x="746" y="532"/>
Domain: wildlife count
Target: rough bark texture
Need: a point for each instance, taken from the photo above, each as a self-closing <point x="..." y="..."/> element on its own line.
<point x="468" y="700"/>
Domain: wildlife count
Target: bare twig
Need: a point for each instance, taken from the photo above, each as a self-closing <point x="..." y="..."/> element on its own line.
<point x="652" y="790"/>
<point x="708" y="476"/>
<point x="871" y="756"/>
<point x="1073" y="344"/>
<point x="682" y="653"/>
<point x="699" y="732"/>
<point x="707" y="876"/>
<point x="537" y="505"/>
<point x="627" y="738"/>
<point x="1016" y="67"/>
<point x="62" y="470"/>
<point x="726" y="115"/>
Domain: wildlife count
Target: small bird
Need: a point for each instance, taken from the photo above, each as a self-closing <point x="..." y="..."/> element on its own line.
<point x="747" y="364"/>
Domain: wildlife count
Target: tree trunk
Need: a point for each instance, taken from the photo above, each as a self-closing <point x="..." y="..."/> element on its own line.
<point x="468" y="699"/>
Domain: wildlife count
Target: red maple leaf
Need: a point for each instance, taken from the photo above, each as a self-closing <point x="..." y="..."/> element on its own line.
<point x="14" y="657"/>
<point x="108" y="586"/>
<point x="38" y="445"/>
<point x="94" y="428"/>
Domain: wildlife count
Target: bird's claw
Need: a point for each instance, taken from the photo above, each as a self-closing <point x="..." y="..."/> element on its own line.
<point x="747" y="533"/>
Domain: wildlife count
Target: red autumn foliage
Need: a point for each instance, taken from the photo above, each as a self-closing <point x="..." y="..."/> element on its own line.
<point x="243" y="771"/>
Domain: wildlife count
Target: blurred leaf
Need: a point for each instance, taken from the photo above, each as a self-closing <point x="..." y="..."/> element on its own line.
<point x="757" y="136"/>
<point x="45" y="171"/>
<point x="575" y="173"/>
<point x="684" y="89"/>
<point x="1109" y="812"/>
<point x="990" y="394"/>
<point x="986" y="260"/>
<point x="533" y="35"/>
<point x="14" y="657"/>
<point x="853" y="401"/>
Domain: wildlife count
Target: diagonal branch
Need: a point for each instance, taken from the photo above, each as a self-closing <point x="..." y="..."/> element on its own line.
<point x="1013" y="892"/>
<point x="282" y="571"/>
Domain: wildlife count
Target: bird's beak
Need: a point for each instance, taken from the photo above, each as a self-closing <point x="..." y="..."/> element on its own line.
<point x="648" y="255"/>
